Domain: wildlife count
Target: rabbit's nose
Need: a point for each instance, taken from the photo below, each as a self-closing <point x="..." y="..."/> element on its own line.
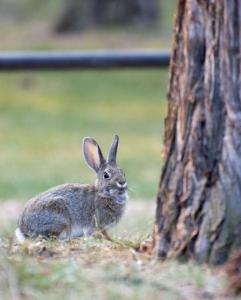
<point x="121" y="184"/>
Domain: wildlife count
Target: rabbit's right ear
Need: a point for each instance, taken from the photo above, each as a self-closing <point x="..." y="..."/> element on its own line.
<point x="92" y="153"/>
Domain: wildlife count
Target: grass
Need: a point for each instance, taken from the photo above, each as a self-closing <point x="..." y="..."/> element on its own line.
<point x="93" y="268"/>
<point x="37" y="270"/>
<point x="44" y="116"/>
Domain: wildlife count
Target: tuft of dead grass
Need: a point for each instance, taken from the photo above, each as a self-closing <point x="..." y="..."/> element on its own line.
<point x="93" y="268"/>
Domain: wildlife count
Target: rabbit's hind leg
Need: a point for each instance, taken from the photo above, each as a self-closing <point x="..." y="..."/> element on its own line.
<point x="57" y="227"/>
<point x="106" y="235"/>
<point x="49" y="224"/>
<point x="50" y="219"/>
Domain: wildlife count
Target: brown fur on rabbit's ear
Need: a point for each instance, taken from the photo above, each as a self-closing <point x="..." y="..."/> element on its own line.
<point x="92" y="154"/>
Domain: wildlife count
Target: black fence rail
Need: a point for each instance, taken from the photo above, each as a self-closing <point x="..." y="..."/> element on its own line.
<point x="73" y="60"/>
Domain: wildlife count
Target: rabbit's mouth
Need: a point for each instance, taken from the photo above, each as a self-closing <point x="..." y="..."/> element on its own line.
<point x="117" y="193"/>
<point x="120" y="194"/>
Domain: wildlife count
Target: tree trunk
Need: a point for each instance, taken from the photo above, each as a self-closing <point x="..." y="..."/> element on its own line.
<point x="81" y="14"/>
<point x="199" y="199"/>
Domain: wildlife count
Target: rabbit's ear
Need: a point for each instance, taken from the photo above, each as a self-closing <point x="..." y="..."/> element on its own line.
<point x="113" y="151"/>
<point x="92" y="153"/>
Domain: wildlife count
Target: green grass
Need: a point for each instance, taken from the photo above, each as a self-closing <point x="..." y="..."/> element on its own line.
<point x="34" y="271"/>
<point x="93" y="268"/>
<point x="44" y="117"/>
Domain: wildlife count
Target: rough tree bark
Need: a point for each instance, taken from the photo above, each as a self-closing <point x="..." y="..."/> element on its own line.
<point x="199" y="199"/>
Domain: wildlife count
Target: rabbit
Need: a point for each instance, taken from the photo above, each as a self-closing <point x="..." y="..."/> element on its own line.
<point x="74" y="210"/>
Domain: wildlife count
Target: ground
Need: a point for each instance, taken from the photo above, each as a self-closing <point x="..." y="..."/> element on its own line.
<point x="93" y="268"/>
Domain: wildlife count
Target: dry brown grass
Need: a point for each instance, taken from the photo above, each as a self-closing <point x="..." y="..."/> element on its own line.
<point x="93" y="268"/>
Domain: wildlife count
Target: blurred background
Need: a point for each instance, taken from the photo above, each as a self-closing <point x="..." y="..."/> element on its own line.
<point x="45" y="115"/>
<point x="43" y="119"/>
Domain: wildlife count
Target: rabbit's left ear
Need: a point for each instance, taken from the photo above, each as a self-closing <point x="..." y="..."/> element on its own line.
<point x="92" y="153"/>
<point x="113" y="151"/>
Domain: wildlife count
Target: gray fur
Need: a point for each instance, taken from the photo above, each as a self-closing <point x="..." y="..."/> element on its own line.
<point x="113" y="151"/>
<point x="72" y="210"/>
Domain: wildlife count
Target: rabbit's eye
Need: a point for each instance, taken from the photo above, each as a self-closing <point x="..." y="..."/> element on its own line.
<point x="106" y="175"/>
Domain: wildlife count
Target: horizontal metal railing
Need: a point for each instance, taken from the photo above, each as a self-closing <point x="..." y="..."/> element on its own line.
<point x="73" y="60"/>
